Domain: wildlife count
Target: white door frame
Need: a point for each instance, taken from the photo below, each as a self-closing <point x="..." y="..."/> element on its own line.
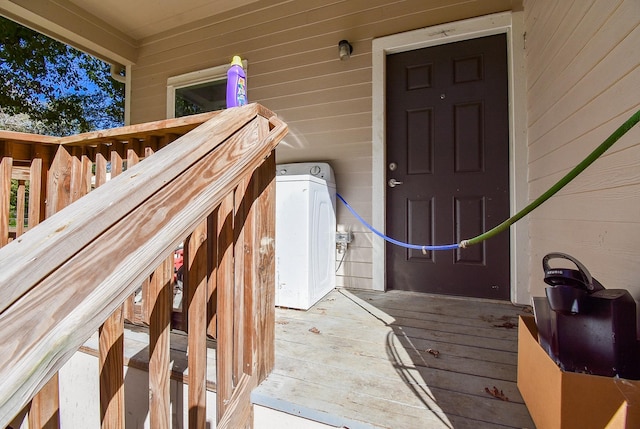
<point x="512" y="24"/>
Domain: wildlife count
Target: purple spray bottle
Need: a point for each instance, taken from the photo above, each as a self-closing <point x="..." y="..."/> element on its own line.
<point x="236" y="84"/>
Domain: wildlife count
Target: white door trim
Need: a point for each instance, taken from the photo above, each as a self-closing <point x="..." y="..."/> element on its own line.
<point x="512" y="24"/>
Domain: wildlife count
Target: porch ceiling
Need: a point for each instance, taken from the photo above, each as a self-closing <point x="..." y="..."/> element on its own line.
<point x="144" y="18"/>
<point x="111" y="29"/>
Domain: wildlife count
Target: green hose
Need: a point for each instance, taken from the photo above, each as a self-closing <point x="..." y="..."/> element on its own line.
<point x="614" y="137"/>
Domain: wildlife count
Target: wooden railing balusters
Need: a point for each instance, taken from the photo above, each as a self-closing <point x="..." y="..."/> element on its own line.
<point x="215" y="189"/>
<point x="111" y="361"/>
<point x="21" y="194"/>
<point x="132" y="159"/>
<point x="117" y="149"/>
<point x="159" y="341"/>
<point x="224" y="327"/>
<point x="140" y="312"/>
<point x="213" y="266"/>
<point x="87" y="173"/>
<point x="76" y="184"/>
<point x="38" y="171"/>
<point x="6" y="165"/>
<point x="242" y="231"/>
<point x="58" y="182"/>
<point x="44" y="412"/>
<point x="101" y="169"/>
<point x="194" y="309"/>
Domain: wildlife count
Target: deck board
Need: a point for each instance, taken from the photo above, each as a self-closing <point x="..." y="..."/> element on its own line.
<point x="361" y="359"/>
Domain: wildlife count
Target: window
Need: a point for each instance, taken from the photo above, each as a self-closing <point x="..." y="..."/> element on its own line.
<point x="198" y="92"/>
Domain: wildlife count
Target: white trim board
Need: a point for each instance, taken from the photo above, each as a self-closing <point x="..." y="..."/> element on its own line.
<point x="511" y="23"/>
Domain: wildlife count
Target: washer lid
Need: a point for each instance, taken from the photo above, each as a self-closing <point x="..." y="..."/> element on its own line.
<point x="321" y="170"/>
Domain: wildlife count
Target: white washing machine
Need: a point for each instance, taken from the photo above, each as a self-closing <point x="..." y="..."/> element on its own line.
<point x="305" y="233"/>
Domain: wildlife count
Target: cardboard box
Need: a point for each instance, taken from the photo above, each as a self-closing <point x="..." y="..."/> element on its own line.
<point x="558" y="399"/>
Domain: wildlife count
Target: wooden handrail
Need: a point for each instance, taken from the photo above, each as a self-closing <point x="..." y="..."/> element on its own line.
<point x="177" y="126"/>
<point x="63" y="279"/>
<point x="64" y="234"/>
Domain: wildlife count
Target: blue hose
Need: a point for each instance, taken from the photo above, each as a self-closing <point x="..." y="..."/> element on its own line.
<point x="393" y="241"/>
<point x="590" y="159"/>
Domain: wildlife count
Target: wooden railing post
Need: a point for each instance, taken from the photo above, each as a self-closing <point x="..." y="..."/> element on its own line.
<point x="196" y="260"/>
<point x="246" y="307"/>
<point x="262" y="322"/>
<point x="110" y="349"/>
<point x="132" y="159"/>
<point x="44" y="411"/>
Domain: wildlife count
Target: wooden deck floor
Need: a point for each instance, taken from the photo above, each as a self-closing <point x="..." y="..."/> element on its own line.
<point x="398" y="360"/>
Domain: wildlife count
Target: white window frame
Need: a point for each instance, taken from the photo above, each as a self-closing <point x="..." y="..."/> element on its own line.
<point x="194" y="78"/>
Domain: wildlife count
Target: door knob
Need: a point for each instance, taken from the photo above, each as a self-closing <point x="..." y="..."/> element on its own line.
<point x="393" y="183"/>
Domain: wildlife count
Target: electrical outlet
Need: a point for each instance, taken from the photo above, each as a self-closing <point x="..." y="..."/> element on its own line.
<point x="344" y="237"/>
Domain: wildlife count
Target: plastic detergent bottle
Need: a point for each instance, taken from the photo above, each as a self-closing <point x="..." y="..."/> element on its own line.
<point x="236" y="84"/>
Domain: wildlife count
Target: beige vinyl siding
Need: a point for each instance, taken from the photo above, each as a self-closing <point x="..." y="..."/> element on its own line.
<point x="293" y="68"/>
<point x="583" y="69"/>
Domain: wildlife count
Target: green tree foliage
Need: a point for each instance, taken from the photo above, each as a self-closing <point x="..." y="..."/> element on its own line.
<point x="66" y="90"/>
<point x="13" y="201"/>
<point x="22" y="123"/>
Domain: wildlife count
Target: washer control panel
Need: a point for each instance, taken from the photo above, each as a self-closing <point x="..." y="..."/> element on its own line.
<point x="321" y="170"/>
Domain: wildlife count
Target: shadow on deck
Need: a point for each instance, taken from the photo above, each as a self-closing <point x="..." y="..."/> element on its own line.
<point x="362" y="359"/>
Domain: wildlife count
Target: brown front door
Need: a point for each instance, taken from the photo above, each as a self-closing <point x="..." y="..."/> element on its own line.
<point x="447" y="143"/>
